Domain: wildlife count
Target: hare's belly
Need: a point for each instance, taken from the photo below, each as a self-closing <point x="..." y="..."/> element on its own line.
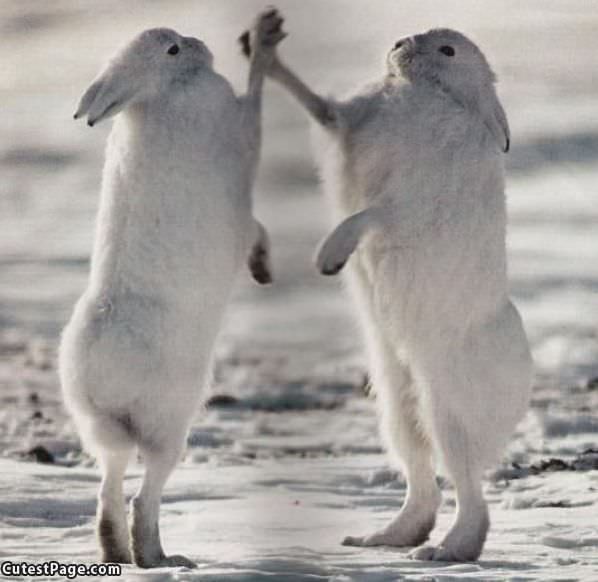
<point x="418" y="295"/>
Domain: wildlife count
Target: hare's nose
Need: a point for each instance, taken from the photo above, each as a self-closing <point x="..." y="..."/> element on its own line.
<point x="404" y="43"/>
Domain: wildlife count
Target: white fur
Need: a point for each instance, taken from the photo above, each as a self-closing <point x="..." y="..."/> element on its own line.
<point x="414" y="168"/>
<point x="174" y="227"/>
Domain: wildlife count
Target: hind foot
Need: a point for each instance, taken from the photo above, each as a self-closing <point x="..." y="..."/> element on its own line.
<point x="175" y="561"/>
<point x="439" y="554"/>
<point x="384" y="538"/>
<point x="394" y="535"/>
<point x="465" y="540"/>
<point x="113" y="540"/>
<point x="116" y="557"/>
<point x="413" y="524"/>
<point x="455" y="547"/>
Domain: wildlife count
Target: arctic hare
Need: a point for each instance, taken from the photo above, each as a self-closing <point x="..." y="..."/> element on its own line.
<point x="175" y="224"/>
<point x="414" y="167"/>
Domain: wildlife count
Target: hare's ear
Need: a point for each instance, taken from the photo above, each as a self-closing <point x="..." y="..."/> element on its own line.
<point x="87" y="99"/>
<point x="106" y="96"/>
<point x="496" y="121"/>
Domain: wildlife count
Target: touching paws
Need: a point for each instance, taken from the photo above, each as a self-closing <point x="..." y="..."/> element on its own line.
<point x="265" y="34"/>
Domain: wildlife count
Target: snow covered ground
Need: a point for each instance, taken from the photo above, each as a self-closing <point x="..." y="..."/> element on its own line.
<point x="286" y="460"/>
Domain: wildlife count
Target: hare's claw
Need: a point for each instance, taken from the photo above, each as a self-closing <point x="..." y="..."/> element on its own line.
<point x="266" y="33"/>
<point x="245" y="44"/>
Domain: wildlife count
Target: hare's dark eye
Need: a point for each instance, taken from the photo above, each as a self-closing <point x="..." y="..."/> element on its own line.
<point x="399" y="44"/>
<point x="173" y="50"/>
<point x="449" y="51"/>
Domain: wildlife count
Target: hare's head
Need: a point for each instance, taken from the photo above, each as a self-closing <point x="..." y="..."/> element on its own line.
<point x="448" y="59"/>
<point x="155" y="62"/>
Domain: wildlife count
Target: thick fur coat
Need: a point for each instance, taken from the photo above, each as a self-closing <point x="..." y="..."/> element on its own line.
<point x="175" y="226"/>
<point x="413" y="167"/>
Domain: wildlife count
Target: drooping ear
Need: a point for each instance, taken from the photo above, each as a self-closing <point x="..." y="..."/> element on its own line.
<point x="495" y="119"/>
<point x="106" y="96"/>
<point x="87" y="99"/>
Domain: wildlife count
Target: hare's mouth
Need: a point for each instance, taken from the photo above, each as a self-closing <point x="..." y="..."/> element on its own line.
<point x="401" y="62"/>
<point x="402" y="55"/>
<point x="405" y="55"/>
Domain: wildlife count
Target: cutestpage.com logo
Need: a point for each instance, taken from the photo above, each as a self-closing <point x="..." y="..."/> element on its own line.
<point x="53" y="568"/>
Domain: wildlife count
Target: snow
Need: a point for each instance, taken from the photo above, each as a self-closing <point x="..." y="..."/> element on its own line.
<point x="285" y="461"/>
<point x="283" y="523"/>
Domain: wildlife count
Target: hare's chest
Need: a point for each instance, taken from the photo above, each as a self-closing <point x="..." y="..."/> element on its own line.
<point x="407" y="146"/>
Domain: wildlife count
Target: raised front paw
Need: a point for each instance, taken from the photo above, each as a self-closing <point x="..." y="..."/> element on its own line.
<point x="265" y="34"/>
<point x="259" y="265"/>
<point x="334" y="252"/>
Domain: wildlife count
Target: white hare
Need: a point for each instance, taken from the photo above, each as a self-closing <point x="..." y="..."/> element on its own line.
<point x="414" y="168"/>
<point x="175" y="225"/>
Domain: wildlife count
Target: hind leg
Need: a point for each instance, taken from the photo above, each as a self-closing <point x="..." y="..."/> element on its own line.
<point x="408" y="444"/>
<point x="465" y="539"/>
<point x="160" y="460"/>
<point x="477" y="395"/>
<point x="112" y="531"/>
<point x="466" y="418"/>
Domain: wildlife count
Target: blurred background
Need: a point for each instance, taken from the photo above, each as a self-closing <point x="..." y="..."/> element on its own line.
<point x="544" y="52"/>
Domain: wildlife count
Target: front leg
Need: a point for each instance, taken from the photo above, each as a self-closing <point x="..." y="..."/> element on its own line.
<point x="263" y="37"/>
<point x="321" y="109"/>
<point x="259" y="257"/>
<point x="336" y="249"/>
